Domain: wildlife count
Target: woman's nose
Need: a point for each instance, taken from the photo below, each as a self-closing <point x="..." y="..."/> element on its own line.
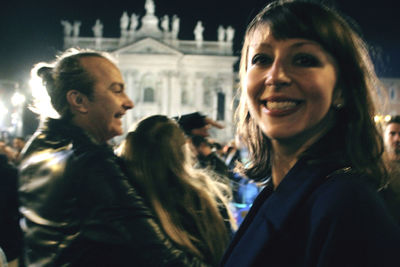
<point x="277" y="75"/>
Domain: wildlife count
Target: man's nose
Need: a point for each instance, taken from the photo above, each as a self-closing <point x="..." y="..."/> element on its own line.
<point x="128" y="103"/>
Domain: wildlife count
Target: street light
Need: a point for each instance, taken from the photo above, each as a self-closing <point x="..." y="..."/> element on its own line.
<point x="17" y="99"/>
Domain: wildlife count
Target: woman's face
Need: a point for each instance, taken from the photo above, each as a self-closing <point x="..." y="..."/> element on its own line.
<point x="289" y="85"/>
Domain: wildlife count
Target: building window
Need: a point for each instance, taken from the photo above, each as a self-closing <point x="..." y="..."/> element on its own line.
<point x="148" y="95"/>
<point x="392" y="93"/>
<point x="221" y="106"/>
<point x="184" y="98"/>
<point x="149" y="88"/>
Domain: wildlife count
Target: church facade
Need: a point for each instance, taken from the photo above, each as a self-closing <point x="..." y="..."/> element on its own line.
<point x="166" y="75"/>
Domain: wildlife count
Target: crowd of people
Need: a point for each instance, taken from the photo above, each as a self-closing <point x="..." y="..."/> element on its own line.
<point x="309" y="179"/>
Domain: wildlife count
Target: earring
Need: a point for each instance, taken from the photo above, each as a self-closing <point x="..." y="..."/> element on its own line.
<point x="338" y="105"/>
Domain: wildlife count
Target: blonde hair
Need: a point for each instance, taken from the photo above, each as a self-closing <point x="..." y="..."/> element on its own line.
<point x="186" y="201"/>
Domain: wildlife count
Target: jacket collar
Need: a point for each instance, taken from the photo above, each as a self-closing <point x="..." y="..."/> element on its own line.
<point x="297" y="185"/>
<point x="56" y="133"/>
<point x="272" y="210"/>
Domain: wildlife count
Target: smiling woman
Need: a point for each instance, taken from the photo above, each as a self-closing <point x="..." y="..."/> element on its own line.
<point x="306" y="115"/>
<point x="290" y="85"/>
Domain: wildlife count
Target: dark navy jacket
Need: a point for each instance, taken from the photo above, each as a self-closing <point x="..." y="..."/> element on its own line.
<point x="319" y="215"/>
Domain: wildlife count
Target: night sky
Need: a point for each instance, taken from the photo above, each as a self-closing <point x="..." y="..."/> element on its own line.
<point x="31" y="31"/>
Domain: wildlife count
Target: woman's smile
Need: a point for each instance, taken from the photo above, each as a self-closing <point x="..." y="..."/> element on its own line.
<point x="289" y="84"/>
<point x="280" y="106"/>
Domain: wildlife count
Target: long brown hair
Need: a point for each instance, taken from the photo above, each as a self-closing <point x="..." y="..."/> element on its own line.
<point x="186" y="201"/>
<point x="357" y="140"/>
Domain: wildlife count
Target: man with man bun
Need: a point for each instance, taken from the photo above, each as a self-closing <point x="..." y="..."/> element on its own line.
<point x="78" y="208"/>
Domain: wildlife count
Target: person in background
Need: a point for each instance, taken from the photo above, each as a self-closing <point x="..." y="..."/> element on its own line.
<point x="391" y="190"/>
<point x="77" y="205"/>
<point x="196" y="123"/>
<point x="392" y="139"/>
<point x="218" y="148"/>
<point x="18" y="145"/>
<point x="244" y="189"/>
<point x="190" y="205"/>
<point x="232" y="154"/>
<point x="306" y="114"/>
<point x="10" y="231"/>
<point x="6" y="150"/>
<point x="207" y="158"/>
<point x="196" y="128"/>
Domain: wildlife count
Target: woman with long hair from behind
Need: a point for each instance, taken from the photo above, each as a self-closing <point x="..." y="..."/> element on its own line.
<point x="191" y="207"/>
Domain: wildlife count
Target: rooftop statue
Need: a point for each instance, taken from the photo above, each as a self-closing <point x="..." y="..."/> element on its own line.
<point x="165" y="24"/>
<point x="175" y="26"/>
<point x="76" y="26"/>
<point x="230" y="33"/>
<point x="198" y="31"/>
<point x="134" y="22"/>
<point x="98" y="29"/>
<point x="149" y="7"/>
<point x="67" y="28"/>
<point x="124" y="21"/>
<point x="221" y="33"/>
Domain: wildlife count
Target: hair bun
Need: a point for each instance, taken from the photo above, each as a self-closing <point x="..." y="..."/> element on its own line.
<point x="45" y="73"/>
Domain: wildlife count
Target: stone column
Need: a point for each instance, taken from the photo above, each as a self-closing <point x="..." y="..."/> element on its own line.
<point x="165" y="92"/>
<point x="198" y="89"/>
<point x="229" y="111"/>
<point x="176" y="93"/>
<point x="130" y="92"/>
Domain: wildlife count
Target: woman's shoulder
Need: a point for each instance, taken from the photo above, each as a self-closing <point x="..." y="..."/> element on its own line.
<point x="347" y="194"/>
<point x="347" y="206"/>
<point x="347" y="187"/>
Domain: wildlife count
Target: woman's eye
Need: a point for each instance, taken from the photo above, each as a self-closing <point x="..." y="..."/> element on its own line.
<point x="306" y="60"/>
<point x="261" y="60"/>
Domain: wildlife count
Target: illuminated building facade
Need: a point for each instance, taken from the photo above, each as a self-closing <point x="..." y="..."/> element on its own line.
<point x="166" y="75"/>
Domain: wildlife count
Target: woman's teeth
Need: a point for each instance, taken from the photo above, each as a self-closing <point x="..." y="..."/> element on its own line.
<point x="280" y="105"/>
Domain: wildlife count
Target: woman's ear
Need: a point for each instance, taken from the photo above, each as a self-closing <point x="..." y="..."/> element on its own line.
<point x="77" y="101"/>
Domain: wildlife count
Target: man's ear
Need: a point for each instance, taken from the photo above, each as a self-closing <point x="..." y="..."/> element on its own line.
<point x="77" y="101"/>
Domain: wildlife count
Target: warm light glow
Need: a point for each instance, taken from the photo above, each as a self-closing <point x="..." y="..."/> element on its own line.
<point x="42" y="104"/>
<point x="3" y="112"/>
<point x="382" y="118"/>
<point x="3" y="109"/>
<point x="17" y="99"/>
<point x="14" y="118"/>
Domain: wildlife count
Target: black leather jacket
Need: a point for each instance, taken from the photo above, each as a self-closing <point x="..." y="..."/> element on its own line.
<point x="79" y="210"/>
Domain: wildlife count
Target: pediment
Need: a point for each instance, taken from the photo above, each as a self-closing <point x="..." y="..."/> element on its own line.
<point x="148" y="46"/>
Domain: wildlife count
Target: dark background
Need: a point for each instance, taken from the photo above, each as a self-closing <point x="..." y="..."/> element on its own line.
<point x="31" y="31"/>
